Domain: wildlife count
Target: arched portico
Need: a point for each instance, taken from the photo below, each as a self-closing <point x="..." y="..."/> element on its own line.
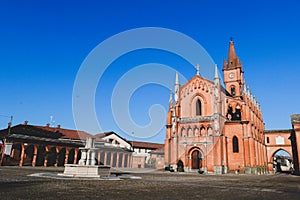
<point x="280" y="160"/>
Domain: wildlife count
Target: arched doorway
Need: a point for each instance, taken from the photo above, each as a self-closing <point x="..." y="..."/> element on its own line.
<point x="180" y="166"/>
<point x="51" y="156"/>
<point x="196" y="159"/>
<point x="29" y="151"/>
<point x="282" y="161"/>
<point x="71" y="156"/>
<point x="40" y="157"/>
<point x="16" y="149"/>
<point x="61" y="157"/>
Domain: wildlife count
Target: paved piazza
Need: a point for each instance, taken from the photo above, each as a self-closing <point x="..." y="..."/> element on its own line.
<point x="16" y="184"/>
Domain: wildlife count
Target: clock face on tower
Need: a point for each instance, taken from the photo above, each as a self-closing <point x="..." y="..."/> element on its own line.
<point x="231" y="75"/>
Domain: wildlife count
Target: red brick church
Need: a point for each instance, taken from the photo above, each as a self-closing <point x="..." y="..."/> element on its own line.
<point x="212" y="128"/>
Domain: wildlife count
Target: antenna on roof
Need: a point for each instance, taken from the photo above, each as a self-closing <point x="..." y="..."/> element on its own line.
<point x="52" y="122"/>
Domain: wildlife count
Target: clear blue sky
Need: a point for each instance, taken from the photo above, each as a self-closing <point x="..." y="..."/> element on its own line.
<point x="43" y="43"/>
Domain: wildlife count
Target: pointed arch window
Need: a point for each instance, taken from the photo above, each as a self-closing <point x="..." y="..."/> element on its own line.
<point x="198" y="107"/>
<point x="182" y="132"/>
<point x="235" y="144"/>
<point x="232" y="91"/>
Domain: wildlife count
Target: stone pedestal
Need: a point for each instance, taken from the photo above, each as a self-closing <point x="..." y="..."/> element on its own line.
<point x="87" y="164"/>
<point x="74" y="170"/>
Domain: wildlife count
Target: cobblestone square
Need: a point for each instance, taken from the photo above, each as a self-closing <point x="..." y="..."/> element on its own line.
<point x="16" y="184"/>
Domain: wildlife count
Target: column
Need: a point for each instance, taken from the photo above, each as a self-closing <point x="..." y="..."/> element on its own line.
<point x="67" y="156"/>
<point x="117" y="160"/>
<point x="22" y="155"/>
<point x="99" y="157"/>
<point x="123" y="160"/>
<point x="75" y="156"/>
<point x="93" y="157"/>
<point x="56" y="159"/>
<point x="111" y="158"/>
<point x="129" y="161"/>
<point x="13" y="152"/>
<point x="190" y="162"/>
<point x="46" y="159"/>
<point x="34" y="155"/>
<point x="105" y="157"/>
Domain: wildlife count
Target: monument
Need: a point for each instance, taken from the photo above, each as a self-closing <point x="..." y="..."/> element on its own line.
<point x="86" y="166"/>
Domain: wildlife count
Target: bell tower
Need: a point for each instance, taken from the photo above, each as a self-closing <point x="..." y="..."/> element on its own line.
<point x="233" y="73"/>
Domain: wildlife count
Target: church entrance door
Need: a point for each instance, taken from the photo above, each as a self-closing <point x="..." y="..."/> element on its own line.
<point x="196" y="159"/>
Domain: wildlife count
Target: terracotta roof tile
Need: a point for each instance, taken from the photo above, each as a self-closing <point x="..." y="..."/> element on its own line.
<point x="146" y="145"/>
<point x="32" y="131"/>
<point x="68" y="133"/>
<point x="158" y="151"/>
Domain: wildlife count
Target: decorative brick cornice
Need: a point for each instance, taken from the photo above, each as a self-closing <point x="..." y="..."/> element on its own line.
<point x="195" y="119"/>
<point x="237" y="122"/>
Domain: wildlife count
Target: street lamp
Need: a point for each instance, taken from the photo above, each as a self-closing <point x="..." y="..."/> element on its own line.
<point x="132" y="150"/>
<point x="5" y="140"/>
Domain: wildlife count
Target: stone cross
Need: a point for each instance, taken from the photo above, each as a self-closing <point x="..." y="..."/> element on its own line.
<point x="198" y="69"/>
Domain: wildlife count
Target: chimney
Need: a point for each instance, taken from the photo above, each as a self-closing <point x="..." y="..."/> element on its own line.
<point x="58" y="126"/>
<point x="25" y="122"/>
<point x="48" y="125"/>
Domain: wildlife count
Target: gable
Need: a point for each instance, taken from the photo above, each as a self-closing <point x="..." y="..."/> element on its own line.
<point x="115" y="139"/>
<point x="197" y="89"/>
<point x="197" y="82"/>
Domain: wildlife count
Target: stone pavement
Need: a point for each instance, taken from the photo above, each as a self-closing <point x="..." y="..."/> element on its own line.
<point x="16" y="184"/>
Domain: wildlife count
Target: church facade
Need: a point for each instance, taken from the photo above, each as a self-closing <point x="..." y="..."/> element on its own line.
<point x="211" y="128"/>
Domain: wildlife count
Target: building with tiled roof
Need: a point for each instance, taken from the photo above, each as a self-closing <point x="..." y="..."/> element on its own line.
<point x="30" y="145"/>
<point x="146" y="145"/>
<point x="218" y="127"/>
<point x="142" y="156"/>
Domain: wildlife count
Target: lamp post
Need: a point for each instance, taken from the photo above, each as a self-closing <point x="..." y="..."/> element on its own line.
<point x="4" y="141"/>
<point x="132" y="150"/>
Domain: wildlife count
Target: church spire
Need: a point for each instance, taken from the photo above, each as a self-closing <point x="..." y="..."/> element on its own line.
<point x="170" y="100"/>
<point x="233" y="60"/>
<point x="233" y="72"/>
<point x="216" y="72"/>
<point x="176" y="79"/>
<point x="231" y="51"/>
<point x="176" y="89"/>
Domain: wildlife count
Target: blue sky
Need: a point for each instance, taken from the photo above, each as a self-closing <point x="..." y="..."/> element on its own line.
<point x="43" y="44"/>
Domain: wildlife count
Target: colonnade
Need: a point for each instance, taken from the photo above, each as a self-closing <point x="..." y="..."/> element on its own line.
<point x="30" y="154"/>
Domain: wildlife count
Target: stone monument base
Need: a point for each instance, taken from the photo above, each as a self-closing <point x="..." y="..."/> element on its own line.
<point x="96" y="171"/>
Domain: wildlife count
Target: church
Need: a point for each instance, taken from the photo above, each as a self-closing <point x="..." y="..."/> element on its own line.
<point x="211" y="128"/>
